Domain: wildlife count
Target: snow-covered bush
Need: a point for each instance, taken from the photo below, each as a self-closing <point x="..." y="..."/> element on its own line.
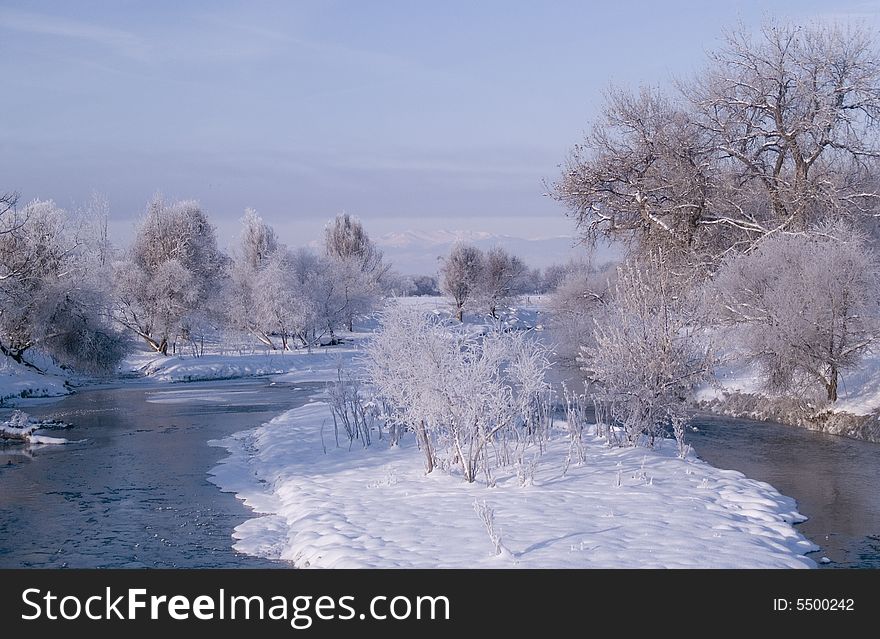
<point x="645" y="356"/>
<point x="473" y="403"/>
<point x="804" y="307"/>
<point x="350" y="408"/>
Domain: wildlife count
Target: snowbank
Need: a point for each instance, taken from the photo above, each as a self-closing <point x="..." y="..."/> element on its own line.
<point x="289" y="367"/>
<point x="738" y="392"/>
<point x="630" y="508"/>
<point x="18" y="381"/>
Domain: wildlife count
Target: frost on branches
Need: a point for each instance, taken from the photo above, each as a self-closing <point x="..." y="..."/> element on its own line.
<point x="53" y="296"/>
<point x="645" y="356"/>
<point x="473" y="404"/>
<point x="804" y="308"/>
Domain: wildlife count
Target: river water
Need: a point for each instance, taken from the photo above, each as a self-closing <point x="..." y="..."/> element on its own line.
<point x="135" y="491"/>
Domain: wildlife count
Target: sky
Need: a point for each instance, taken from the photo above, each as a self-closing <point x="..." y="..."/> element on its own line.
<point x="408" y="114"/>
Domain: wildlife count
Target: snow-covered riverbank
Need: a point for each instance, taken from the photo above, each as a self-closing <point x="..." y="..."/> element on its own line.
<point x="375" y="507"/>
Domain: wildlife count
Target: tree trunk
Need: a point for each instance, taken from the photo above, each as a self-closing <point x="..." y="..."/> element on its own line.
<point x="831" y="386"/>
<point x="163" y="346"/>
<point x="459" y="314"/>
<point x="422" y="434"/>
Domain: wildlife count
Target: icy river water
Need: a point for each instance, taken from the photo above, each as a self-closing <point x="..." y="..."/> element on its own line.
<point x="135" y="491"/>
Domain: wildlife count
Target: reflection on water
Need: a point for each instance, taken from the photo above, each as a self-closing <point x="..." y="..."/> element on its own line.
<point x="135" y="493"/>
<point x="833" y="479"/>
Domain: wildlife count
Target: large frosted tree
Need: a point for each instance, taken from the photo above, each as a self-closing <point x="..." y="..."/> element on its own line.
<point x="777" y="133"/>
<point x="170" y="273"/>
<point x="51" y="295"/>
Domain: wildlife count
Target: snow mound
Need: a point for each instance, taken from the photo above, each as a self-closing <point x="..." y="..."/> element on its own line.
<point x="376" y="508"/>
<point x="20" y="427"/>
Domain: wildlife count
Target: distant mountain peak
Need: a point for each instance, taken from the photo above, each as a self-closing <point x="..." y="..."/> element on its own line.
<point x="432" y="238"/>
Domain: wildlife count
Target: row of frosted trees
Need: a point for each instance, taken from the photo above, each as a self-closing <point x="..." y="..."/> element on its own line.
<point x="66" y="292"/>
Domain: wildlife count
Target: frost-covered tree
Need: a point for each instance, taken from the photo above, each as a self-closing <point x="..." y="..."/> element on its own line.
<point x="503" y="278"/>
<point x="791" y="113"/>
<point x="645" y="356"/>
<point x="426" y="285"/>
<point x="51" y="297"/>
<point x="170" y="273"/>
<point x="257" y="242"/>
<point x="461" y="274"/>
<point x="322" y="298"/>
<point x="641" y="176"/>
<point x="469" y="401"/>
<point x="804" y="307"/>
<point x="579" y="295"/>
<point x="778" y="133"/>
<point x="358" y="265"/>
<point x="257" y="246"/>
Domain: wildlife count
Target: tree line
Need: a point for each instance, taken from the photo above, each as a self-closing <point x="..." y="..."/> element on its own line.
<point x="66" y="292"/>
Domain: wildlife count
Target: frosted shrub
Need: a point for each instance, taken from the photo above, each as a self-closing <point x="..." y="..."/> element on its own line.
<point x="472" y="403"/>
<point x="350" y="409"/>
<point x="645" y="356"/>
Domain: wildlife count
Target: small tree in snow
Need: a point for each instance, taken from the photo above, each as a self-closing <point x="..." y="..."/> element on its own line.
<point x="358" y="265"/>
<point x="461" y="274"/>
<point x="805" y="307"/>
<point x="245" y="295"/>
<point x="503" y="278"/>
<point x="645" y="356"/>
<point x="467" y="400"/>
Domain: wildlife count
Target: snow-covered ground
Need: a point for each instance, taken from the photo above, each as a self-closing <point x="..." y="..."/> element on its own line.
<point x="18" y="381"/>
<point x="375" y="507"/>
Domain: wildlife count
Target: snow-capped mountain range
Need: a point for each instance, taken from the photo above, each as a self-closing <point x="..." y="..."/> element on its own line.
<point x="419" y="252"/>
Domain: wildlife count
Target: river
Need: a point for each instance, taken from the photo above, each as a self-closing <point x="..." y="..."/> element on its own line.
<point x="134" y="492"/>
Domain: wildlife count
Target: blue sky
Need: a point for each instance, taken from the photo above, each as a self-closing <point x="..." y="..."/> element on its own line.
<point x="409" y="114"/>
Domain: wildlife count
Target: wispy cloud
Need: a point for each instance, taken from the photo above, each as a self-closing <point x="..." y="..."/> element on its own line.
<point x="120" y="41"/>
